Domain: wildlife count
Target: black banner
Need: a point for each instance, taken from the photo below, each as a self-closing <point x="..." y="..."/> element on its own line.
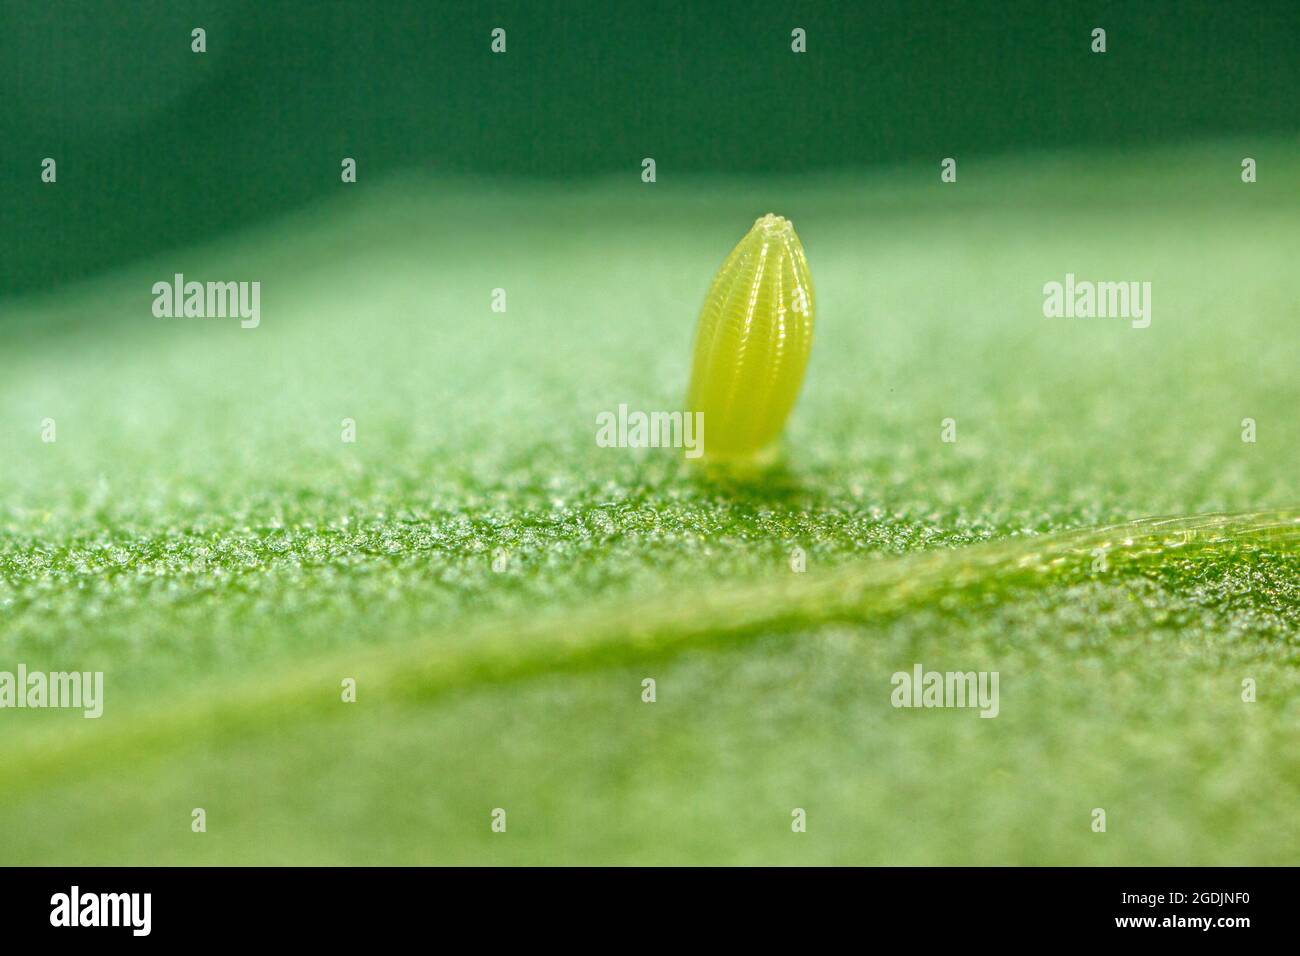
<point x="1227" y="906"/>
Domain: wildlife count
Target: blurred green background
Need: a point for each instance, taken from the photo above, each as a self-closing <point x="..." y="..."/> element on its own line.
<point x="159" y="147"/>
<point x="199" y="531"/>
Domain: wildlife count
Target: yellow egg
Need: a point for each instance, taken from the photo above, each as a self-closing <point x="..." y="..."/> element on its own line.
<point x="752" y="344"/>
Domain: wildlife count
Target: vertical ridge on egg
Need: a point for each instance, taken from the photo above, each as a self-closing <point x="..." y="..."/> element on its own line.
<point x="753" y="341"/>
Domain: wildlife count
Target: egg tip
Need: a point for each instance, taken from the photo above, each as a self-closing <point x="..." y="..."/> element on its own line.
<point x="774" y="225"/>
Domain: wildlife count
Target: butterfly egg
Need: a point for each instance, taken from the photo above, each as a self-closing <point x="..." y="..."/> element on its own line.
<point x="752" y="344"/>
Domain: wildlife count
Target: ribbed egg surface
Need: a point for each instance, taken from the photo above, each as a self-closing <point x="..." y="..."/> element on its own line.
<point x="753" y="341"/>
